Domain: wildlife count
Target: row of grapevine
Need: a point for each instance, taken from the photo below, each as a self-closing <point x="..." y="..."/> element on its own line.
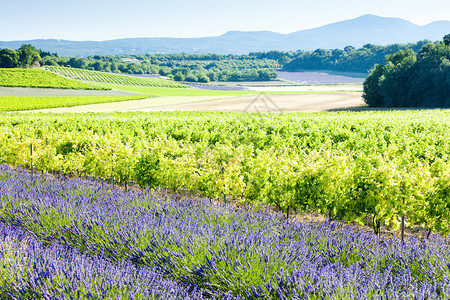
<point x="381" y="165"/>
<point x="37" y="78"/>
<point x="102" y="77"/>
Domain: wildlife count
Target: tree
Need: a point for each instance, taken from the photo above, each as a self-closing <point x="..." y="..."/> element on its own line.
<point x="8" y="58"/>
<point x="28" y="56"/>
<point x="77" y="62"/>
<point x="202" y="77"/>
<point x="372" y="94"/>
<point x="179" y="77"/>
<point x="410" y="80"/>
<point x="447" y="40"/>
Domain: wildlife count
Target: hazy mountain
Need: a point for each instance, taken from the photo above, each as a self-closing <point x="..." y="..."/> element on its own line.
<point x="367" y="29"/>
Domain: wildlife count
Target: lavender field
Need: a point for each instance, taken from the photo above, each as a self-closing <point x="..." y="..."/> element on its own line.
<point x="217" y="87"/>
<point x="83" y="239"/>
<point x="317" y="78"/>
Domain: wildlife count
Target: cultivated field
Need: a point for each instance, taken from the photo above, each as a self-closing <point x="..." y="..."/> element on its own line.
<point x="102" y="77"/>
<point x="306" y="102"/>
<point x="125" y="230"/>
<point x="54" y="92"/>
<point x="320" y="78"/>
<point x="40" y="79"/>
<point x="33" y="103"/>
<point x="108" y="244"/>
<point x="345" y="165"/>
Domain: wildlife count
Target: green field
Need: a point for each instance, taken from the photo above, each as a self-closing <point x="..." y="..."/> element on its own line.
<point x="345" y="165"/>
<point x="37" y="78"/>
<point x="29" y="103"/>
<point x="102" y="77"/>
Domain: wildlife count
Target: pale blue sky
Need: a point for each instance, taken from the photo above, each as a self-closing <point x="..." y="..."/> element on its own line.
<point x="111" y="19"/>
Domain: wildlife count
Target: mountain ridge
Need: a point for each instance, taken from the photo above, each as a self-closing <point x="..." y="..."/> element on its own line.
<point x="366" y="29"/>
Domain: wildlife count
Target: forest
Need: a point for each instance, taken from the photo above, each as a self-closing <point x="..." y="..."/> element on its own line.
<point x="409" y="79"/>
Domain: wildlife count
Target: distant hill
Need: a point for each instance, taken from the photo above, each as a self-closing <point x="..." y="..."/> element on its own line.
<point x="367" y="29"/>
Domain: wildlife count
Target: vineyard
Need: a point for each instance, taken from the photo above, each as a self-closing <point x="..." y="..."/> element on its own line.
<point x="40" y="79"/>
<point x="102" y="77"/>
<point x="83" y="239"/>
<point x="377" y="165"/>
<point x="15" y="103"/>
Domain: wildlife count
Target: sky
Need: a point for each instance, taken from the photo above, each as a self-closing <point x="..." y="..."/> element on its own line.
<point x="99" y="20"/>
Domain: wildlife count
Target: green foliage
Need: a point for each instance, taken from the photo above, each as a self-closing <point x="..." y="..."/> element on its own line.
<point x="40" y="79"/>
<point x="410" y="80"/>
<point x="372" y="90"/>
<point x="447" y="40"/>
<point x="26" y="56"/>
<point x="345" y="165"/>
<point x="8" y="58"/>
<point x="348" y="60"/>
<point x="146" y="170"/>
<point x="190" y="67"/>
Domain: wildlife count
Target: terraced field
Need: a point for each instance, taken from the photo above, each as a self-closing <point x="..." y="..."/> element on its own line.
<point x="41" y="79"/>
<point x="102" y="77"/>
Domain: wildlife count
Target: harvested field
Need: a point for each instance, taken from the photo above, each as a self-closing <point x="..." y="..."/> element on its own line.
<point x="273" y="103"/>
<point x="263" y="103"/>
<point x="148" y="104"/>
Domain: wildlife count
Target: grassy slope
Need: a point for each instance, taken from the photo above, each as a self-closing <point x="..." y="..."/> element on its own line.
<point x="40" y="79"/>
<point x="29" y="103"/>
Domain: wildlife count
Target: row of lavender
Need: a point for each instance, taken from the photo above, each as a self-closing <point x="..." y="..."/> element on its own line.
<point x="144" y="240"/>
<point x="31" y="270"/>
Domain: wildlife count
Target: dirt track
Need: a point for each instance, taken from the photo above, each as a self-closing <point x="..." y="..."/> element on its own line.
<point x="262" y="103"/>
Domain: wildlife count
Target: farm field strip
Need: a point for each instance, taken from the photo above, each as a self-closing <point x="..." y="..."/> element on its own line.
<point x="308" y="77"/>
<point x="218" y="250"/>
<point x="102" y="77"/>
<point x="378" y="165"/>
<point x="42" y="92"/>
<point x="33" y="103"/>
<point x="148" y="104"/>
<point x="172" y="92"/>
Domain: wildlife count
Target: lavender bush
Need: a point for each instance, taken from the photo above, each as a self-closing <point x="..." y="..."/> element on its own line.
<point x="227" y="252"/>
<point x="217" y="87"/>
<point x="317" y="78"/>
<point x="29" y="270"/>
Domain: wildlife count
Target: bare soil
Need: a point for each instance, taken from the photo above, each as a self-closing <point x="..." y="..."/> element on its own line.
<point x="274" y="103"/>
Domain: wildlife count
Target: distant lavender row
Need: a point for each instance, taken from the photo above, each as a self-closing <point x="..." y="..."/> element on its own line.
<point x="249" y="254"/>
<point x="217" y="88"/>
<point x="316" y="78"/>
<point x="141" y="75"/>
<point x="30" y="270"/>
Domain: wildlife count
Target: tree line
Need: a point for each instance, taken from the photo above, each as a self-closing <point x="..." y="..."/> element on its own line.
<point x="201" y="68"/>
<point x="26" y="56"/>
<point x="409" y="79"/>
<point x="348" y="59"/>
